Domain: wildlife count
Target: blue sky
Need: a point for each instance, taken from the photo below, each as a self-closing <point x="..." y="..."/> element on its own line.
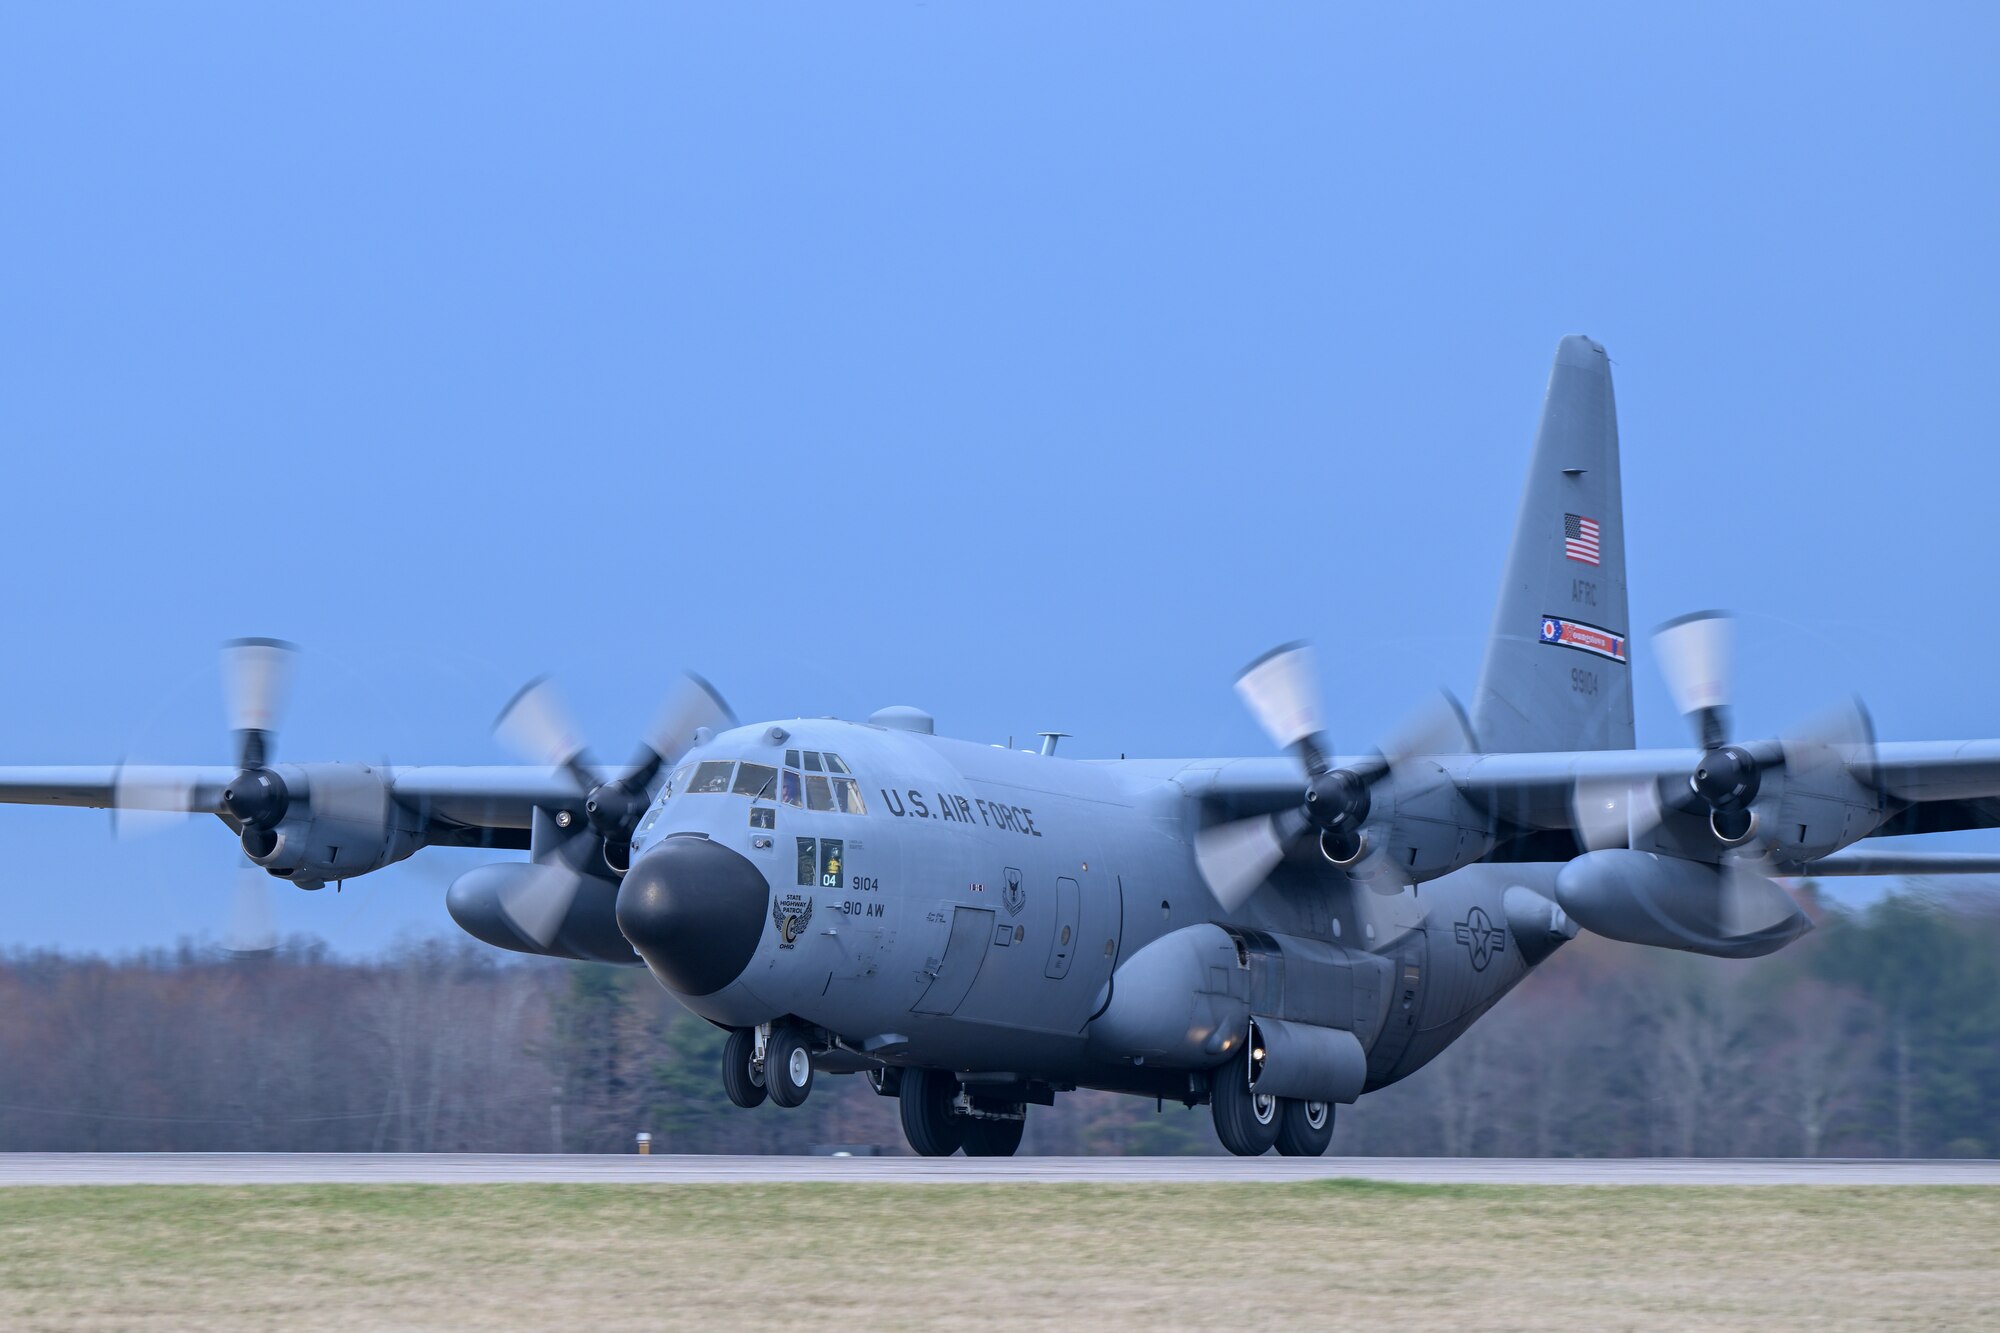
<point x="1036" y="364"/>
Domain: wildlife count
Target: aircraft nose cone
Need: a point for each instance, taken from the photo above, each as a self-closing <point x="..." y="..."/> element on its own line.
<point x="694" y="910"/>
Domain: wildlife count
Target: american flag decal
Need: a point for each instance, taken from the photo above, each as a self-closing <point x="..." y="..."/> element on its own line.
<point x="1580" y="538"/>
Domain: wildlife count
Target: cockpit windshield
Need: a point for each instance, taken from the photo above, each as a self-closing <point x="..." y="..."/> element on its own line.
<point x="810" y="780"/>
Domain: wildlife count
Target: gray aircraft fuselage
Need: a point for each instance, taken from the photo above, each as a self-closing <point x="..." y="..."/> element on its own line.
<point x="976" y="915"/>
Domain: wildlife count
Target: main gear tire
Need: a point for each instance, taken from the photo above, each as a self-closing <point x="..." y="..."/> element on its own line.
<point x="788" y="1068"/>
<point x="992" y="1138"/>
<point x="1304" y="1128"/>
<point x="1245" y="1121"/>
<point x="928" y="1121"/>
<point x="743" y="1083"/>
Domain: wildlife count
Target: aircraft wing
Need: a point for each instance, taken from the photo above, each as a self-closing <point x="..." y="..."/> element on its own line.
<point x="117" y="786"/>
<point x="1816" y="799"/>
<point x="1926" y="786"/>
<point x="477" y="797"/>
<point x="1942" y="785"/>
<point x="496" y="796"/>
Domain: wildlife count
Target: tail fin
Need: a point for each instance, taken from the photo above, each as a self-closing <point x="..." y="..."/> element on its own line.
<point x="1558" y="670"/>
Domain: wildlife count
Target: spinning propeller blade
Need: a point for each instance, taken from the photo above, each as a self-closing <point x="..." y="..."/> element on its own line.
<point x="256" y="680"/>
<point x="1236" y="857"/>
<point x="1281" y="689"/>
<point x="146" y="799"/>
<point x="538" y="726"/>
<point x="253" y="927"/>
<point x="1614" y="812"/>
<point x="1697" y="655"/>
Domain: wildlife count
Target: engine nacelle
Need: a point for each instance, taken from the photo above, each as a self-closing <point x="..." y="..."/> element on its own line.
<point x="552" y="911"/>
<point x="342" y="820"/>
<point x="1422" y="826"/>
<point x="1670" y="903"/>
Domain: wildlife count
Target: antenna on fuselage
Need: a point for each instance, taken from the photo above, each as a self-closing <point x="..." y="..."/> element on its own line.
<point x="1049" y="739"/>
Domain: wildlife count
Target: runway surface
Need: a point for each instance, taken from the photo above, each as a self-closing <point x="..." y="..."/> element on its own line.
<point x="495" y="1168"/>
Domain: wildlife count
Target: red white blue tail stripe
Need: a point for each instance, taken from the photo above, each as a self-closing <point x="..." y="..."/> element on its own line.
<point x="1592" y="639"/>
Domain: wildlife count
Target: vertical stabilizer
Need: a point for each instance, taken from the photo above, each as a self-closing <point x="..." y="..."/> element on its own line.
<point x="1558" y="672"/>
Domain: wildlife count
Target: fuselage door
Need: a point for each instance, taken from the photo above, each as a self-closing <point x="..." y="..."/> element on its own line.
<point x="964" y="952"/>
<point x="1063" y="947"/>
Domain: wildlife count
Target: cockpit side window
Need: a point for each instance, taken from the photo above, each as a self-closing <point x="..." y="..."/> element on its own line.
<point x="793" y="791"/>
<point x="835" y="764"/>
<point x="819" y="795"/>
<point x="847" y="796"/>
<point x="755" y="780"/>
<point x="711" y="775"/>
<point x="678" y="782"/>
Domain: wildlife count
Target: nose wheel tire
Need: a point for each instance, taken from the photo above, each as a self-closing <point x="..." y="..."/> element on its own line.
<point x="744" y="1084"/>
<point x="788" y="1069"/>
<point x="1304" y="1128"/>
<point x="928" y="1122"/>
<point x="1246" y="1122"/>
<point x="992" y="1138"/>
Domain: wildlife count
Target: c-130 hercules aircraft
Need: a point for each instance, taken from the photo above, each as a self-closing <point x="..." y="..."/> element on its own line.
<point x="979" y="928"/>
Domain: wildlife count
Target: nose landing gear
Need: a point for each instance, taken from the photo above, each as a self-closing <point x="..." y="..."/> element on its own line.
<point x="788" y="1067"/>
<point x="772" y="1061"/>
<point x="743" y="1069"/>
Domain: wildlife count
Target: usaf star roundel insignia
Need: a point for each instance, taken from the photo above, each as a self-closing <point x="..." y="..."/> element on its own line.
<point x="1481" y="938"/>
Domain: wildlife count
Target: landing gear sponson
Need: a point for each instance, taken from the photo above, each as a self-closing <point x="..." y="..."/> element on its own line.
<point x="942" y="1114"/>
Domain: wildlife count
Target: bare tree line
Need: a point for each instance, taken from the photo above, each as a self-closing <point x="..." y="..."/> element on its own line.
<point x="1879" y="1035"/>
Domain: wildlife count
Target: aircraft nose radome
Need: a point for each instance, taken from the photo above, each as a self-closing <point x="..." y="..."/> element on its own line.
<point x="694" y="910"/>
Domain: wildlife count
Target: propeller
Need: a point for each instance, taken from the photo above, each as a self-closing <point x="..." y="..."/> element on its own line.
<point x="256" y="678"/>
<point x="256" y="683"/>
<point x="537" y="725"/>
<point x="1281" y="690"/>
<point x="1696" y="654"/>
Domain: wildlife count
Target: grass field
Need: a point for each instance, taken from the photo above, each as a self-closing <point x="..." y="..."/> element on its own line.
<point x="977" y="1257"/>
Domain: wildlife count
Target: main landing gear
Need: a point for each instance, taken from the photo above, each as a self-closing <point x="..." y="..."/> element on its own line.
<point x="1252" y="1123"/>
<point x="781" y="1070"/>
<point x="940" y="1117"/>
